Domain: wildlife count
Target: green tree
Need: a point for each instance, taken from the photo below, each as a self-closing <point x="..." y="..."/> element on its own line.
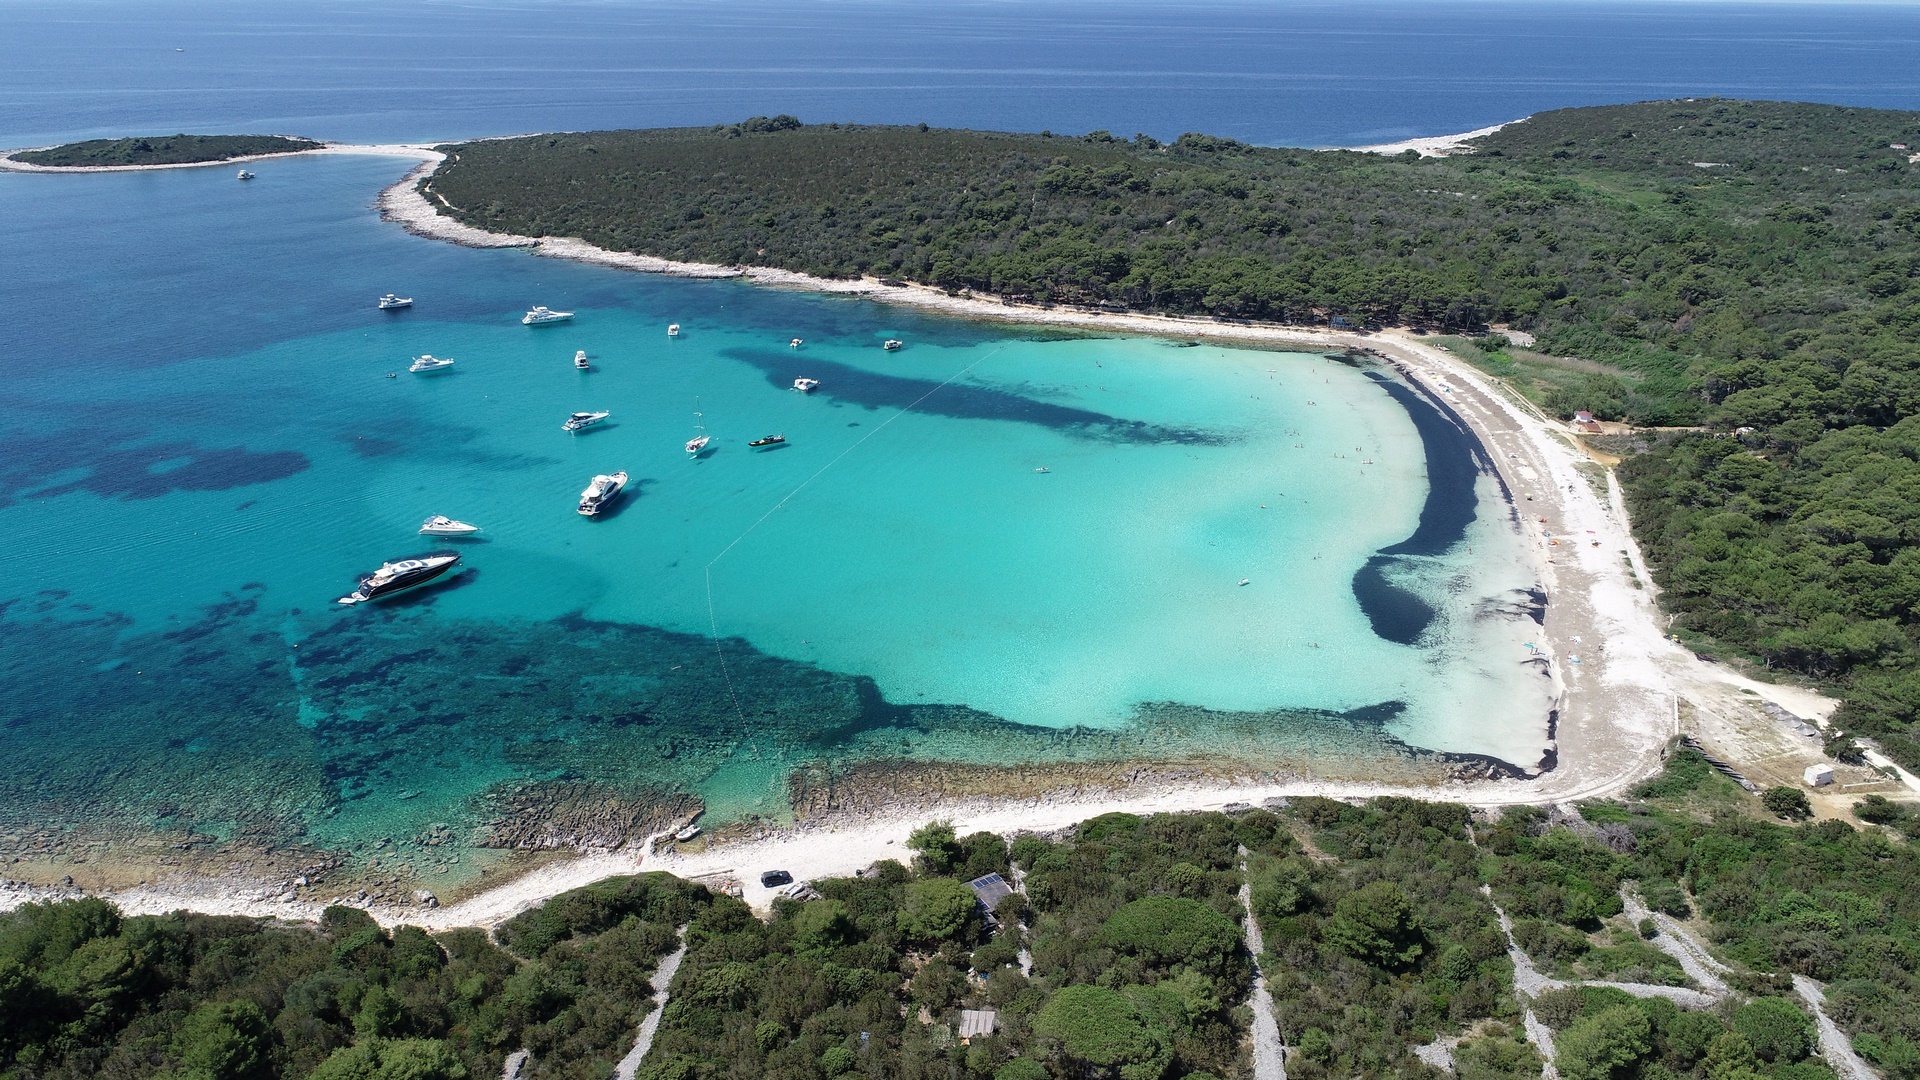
<point x="1377" y="923"/>
<point x="821" y="925"/>
<point x="939" y="850"/>
<point x="1167" y="930"/>
<point x="230" y="1040"/>
<point x="1775" y="1028"/>
<point x="392" y="1059"/>
<point x="1731" y="1057"/>
<point x="1787" y="802"/>
<point x="379" y="1013"/>
<point x="937" y="909"/>
<point x="1603" y="1045"/>
<point x="1098" y="1029"/>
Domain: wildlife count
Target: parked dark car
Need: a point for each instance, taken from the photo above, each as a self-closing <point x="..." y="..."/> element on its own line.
<point x="773" y="878"/>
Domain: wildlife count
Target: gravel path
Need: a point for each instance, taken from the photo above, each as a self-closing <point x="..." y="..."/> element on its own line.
<point x="1835" y="1047"/>
<point x="1269" y="1053"/>
<point x="662" y="979"/>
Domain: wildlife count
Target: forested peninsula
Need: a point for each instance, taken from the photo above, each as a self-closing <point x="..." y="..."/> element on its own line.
<point x="1740" y="278"/>
<point x="163" y="150"/>
<point x="1129" y="951"/>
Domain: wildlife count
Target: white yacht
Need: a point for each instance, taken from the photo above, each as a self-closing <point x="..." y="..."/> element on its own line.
<point x="805" y="385"/>
<point x="245" y="175"/>
<point x="446" y="526"/>
<point x="892" y="344"/>
<point x="428" y="362"/>
<point x="600" y="492"/>
<point x="673" y="329"/>
<point x="699" y="441"/>
<point x="544" y="316"/>
<point x="400" y="576"/>
<point x="580" y="421"/>
<point x="390" y="302"/>
<point x="795" y="343"/>
<point x="580" y="360"/>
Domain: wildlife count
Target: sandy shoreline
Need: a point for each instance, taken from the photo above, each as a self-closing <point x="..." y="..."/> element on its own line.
<point x="1623" y="687"/>
<point x="1432" y="145"/>
<point x="422" y="151"/>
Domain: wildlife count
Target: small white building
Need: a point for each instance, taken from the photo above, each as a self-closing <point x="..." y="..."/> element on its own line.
<point x="1818" y="775"/>
<point x="977" y="1023"/>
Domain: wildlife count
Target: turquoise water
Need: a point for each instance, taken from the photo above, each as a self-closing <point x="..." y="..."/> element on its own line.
<point x="990" y="546"/>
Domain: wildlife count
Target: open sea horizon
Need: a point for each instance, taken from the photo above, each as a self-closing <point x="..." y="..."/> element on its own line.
<point x="998" y="545"/>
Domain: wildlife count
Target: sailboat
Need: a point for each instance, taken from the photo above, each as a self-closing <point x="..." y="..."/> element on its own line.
<point x="699" y="441"/>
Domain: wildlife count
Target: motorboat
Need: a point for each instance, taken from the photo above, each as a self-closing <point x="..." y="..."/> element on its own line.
<point x="544" y="316"/>
<point x="768" y="440"/>
<point x="397" y="577"/>
<point x="1246" y="581"/>
<point x="390" y="302"/>
<point x="795" y="343"/>
<point x="428" y="362"/>
<point x="580" y="360"/>
<point x="805" y="386"/>
<point x="687" y="834"/>
<point x="673" y="329"/>
<point x="580" y="421"/>
<point x="446" y="526"/>
<point x="892" y="344"/>
<point x="601" y="491"/>
<point x="244" y="175"/>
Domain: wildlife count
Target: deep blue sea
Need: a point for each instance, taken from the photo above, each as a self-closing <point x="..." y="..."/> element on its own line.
<point x="990" y="547"/>
<point x="1302" y="73"/>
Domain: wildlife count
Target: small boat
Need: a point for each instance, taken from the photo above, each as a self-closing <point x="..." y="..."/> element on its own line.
<point x="687" y="833"/>
<point x="601" y="491"/>
<point x="768" y="440"/>
<point x="1246" y="581"/>
<point x="390" y="302"/>
<point x="544" y="316"/>
<point x="245" y="175"/>
<point x="805" y="386"/>
<point x="395" y="577"/>
<point x="580" y="421"/>
<point x="580" y="360"/>
<point x="1043" y="468"/>
<point x="892" y="344"/>
<point x="446" y="526"/>
<point x="673" y="329"/>
<point x="700" y="439"/>
<point x="795" y="343"/>
<point x="393" y="374"/>
<point x="428" y="362"/>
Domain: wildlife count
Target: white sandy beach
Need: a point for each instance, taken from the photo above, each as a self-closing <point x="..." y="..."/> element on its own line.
<point x="1433" y="145"/>
<point x="1623" y="686"/>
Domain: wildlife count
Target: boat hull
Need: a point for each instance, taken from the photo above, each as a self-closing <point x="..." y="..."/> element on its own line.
<point x="431" y="569"/>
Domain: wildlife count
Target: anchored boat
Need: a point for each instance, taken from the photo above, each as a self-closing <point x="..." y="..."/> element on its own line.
<point x="601" y="490"/>
<point x="398" y="577"/>
<point x="446" y="526"/>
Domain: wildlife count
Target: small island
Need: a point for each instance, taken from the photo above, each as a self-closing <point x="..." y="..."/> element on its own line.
<point x="163" y="150"/>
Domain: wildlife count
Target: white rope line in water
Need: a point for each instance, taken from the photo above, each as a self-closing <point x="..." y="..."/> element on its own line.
<point x="713" y="622"/>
